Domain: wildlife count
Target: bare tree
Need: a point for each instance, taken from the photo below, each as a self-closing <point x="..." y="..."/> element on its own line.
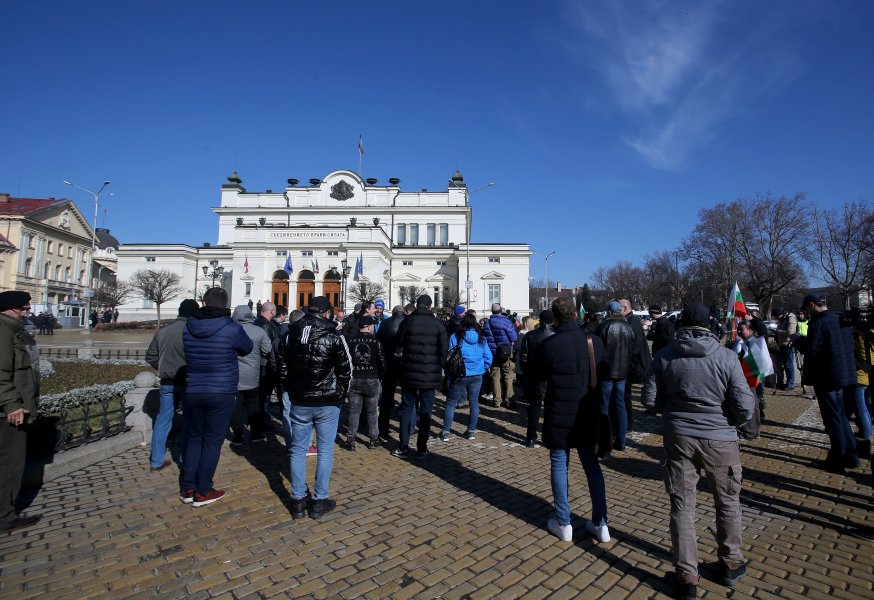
<point x="409" y="294"/>
<point x="759" y="243"/>
<point x="665" y="283"/>
<point x="622" y="280"/>
<point x="158" y="286"/>
<point x="839" y="246"/>
<point x="113" y="294"/>
<point x="366" y="291"/>
<point x="451" y="298"/>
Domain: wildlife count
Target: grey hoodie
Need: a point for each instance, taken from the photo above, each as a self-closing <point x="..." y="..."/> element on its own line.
<point x="699" y="387"/>
<point x="250" y="365"/>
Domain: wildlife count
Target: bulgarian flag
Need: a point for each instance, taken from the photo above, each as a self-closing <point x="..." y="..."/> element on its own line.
<point x="736" y="310"/>
<point x="755" y="360"/>
<point x="748" y="363"/>
<point x="582" y="314"/>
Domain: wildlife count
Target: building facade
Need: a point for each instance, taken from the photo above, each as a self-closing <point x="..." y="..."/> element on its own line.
<point x="53" y="243"/>
<point x="335" y="237"/>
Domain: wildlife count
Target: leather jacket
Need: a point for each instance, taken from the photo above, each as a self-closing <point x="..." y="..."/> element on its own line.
<point x="318" y="362"/>
<point x="618" y="338"/>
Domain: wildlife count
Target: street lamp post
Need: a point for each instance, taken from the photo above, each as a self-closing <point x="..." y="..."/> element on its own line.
<point x="344" y="264"/>
<point x="468" y="284"/>
<point x="216" y="271"/>
<point x="89" y="292"/>
<point x="546" y="272"/>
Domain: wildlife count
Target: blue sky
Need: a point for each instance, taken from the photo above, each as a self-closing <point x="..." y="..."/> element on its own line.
<point x="605" y="125"/>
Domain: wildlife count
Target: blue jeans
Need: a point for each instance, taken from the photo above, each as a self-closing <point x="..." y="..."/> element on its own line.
<point x="559" y="462"/>
<point x="854" y="403"/>
<point x="303" y="419"/>
<point x="613" y="392"/>
<point x="425" y="399"/>
<point x="840" y="434"/>
<point x="207" y="418"/>
<point x="464" y="388"/>
<point x="787" y="357"/>
<point x="170" y="395"/>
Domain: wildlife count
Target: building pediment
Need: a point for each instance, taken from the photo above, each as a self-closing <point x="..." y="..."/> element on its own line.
<point x="407" y="277"/>
<point x="440" y="277"/>
<point x="493" y="275"/>
<point x="65" y="217"/>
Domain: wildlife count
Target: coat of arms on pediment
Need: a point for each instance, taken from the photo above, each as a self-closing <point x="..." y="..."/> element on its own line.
<point x="342" y="190"/>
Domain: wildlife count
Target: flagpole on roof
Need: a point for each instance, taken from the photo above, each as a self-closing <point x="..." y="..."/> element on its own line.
<point x="360" y="153"/>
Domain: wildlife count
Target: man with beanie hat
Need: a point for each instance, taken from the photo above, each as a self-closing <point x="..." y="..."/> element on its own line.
<point x="212" y="344"/>
<point x="166" y="353"/>
<point x="699" y="388"/>
<point x="455" y="320"/>
<point x="317" y="381"/>
<point x="534" y="389"/>
<point x="378" y="314"/>
<point x="19" y="388"/>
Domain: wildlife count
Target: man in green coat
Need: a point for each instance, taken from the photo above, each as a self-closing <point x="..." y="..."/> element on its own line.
<point x="18" y="391"/>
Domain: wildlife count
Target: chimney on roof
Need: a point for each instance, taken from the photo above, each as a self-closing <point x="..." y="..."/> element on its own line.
<point x="4" y="197"/>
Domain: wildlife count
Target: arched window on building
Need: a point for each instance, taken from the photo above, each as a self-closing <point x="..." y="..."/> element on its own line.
<point x="279" y="288"/>
<point x="46" y="271"/>
<point x="331" y="287"/>
<point x="28" y="267"/>
<point x="67" y="274"/>
<point x="57" y="272"/>
<point x="306" y="288"/>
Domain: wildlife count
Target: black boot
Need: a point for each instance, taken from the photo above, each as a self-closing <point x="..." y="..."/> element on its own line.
<point x="321" y="507"/>
<point x="299" y="506"/>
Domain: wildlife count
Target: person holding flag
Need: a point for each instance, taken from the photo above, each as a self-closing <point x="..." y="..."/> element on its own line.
<point x="737" y="311"/>
<point x="755" y="360"/>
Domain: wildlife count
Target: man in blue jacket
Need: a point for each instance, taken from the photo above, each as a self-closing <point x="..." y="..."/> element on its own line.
<point x="212" y="343"/>
<point x="500" y="335"/>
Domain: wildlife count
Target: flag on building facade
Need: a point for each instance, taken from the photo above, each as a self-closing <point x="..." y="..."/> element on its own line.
<point x="288" y="268"/>
<point x="359" y="269"/>
<point x="246" y="264"/>
<point x="315" y="265"/>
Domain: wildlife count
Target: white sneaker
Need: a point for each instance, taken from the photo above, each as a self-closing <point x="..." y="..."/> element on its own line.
<point x="565" y="534"/>
<point x="599" y="532"/>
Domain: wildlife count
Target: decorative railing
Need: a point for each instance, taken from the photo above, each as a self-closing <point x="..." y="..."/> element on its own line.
<point x="90" y="422"/>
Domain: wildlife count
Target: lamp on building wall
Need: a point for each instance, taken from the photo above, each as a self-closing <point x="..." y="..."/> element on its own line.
<point x="468" y="284"/>
<point x="344" y="264"/>
<point x="89" y="291"/>
<point x="217" y="271"/>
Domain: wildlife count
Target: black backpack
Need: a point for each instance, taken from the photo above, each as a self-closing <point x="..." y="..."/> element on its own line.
<point x="455" y="364"/>
<point x="502" y="355"/>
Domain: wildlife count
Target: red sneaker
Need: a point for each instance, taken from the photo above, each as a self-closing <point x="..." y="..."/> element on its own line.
<point x="313" y="451"/>
<point x="187" y="496"/>
<point x="207" y="498"/>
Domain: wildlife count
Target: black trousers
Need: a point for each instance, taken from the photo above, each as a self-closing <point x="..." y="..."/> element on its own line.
<point x="247" y="410"/>
<point x="535" y="405"/>
<point x="13" y="452"/>
<point x="387" y="398"/>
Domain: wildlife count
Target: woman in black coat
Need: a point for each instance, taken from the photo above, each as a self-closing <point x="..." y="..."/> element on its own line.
<point x="563" y="362"/>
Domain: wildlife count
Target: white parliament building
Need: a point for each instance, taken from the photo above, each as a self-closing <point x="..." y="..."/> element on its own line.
<point x="289" y="246"/>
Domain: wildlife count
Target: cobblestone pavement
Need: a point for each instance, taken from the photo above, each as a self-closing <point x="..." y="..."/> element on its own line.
<point x="469" y="522"/>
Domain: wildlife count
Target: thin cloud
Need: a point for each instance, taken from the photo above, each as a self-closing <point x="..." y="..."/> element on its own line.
<point x="678" y="75"/>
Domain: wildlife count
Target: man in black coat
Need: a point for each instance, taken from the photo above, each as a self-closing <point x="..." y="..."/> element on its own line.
<point x="565" y="364"/>
<point x="423" y="343"/>
<point x="830" y="366"/>
<point x="534" y="388"/>
<point x="640" y="358"/>
<point x="619" y="344"/>
<point x="661" y="331"/>
<point x="387" y="335"/>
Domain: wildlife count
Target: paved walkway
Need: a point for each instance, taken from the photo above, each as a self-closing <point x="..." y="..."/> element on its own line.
<point x="467" y="523"/>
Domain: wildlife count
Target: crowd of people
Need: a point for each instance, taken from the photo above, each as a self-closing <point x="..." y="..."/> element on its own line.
<point x="573" y="370"/>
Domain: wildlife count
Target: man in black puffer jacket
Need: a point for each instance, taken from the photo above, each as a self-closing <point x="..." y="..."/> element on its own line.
<point x="319" y="372"/>
<point x="534" y="389"/>
<point x="423" y="342"/>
